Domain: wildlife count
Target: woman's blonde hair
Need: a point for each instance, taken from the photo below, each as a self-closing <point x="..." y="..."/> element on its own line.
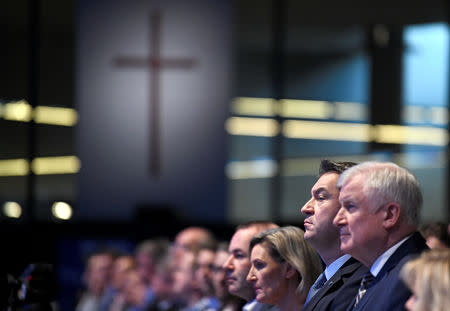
<point x="428" y="277"/>
<point x="286" y="244"/>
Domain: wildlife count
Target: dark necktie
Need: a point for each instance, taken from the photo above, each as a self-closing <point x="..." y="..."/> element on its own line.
<point x="321" y="280"/>
<point x="365" y="284"/>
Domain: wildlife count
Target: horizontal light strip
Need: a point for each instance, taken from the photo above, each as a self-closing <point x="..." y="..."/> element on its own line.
<point x="327" y="130"/>
<point x="324" y="110"/>
<point x="18" y="111"/>
<point x="40" y="166"/>
<point x="260" y="169"/>
<point x="439" y="115"/>
<point x="251" y="169"/>
<point x="350" y="111"/>
<point x="55" y="116"/>
<point x="252" y="126"/>
<point x="397" y="134"/>
<point x="14" y="167"/>
<point x="254" y="106"/>
<point x="55" y="165"/>
<point x="22" y="111"/>
<point x="357" y="132"/>
<point x="310" y="109"/>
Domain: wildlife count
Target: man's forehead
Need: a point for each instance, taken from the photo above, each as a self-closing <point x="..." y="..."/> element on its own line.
<point x="351" y="187"/>
<point x="241" y="238"/>
<point x="327" y="181"/>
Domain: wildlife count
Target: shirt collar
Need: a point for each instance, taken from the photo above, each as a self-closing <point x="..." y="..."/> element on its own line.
<point x="335" y="265"/>
<point x="379" y="263"/>
<point x="252" y="306"/>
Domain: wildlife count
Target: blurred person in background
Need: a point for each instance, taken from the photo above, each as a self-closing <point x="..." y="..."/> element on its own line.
<point x="95" y="278"/>
<point x="114" y="300"/>
<point x="428" y="277"/>
<point x="162" y="284"/>
<point x="436" y="235"/>
<point x="138" y="296"/>
<point x="148" y="254"/>
<point x="184" y="290"/>
<point x="228" y="302"/>
<point x="204" y="279"/>
<point x="192" y="239"/>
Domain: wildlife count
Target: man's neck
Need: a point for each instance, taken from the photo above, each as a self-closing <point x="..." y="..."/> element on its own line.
<point x="330" y="255"/>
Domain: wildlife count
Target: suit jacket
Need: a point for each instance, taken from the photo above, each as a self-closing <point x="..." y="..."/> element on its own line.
<point x="340" y="289"/>
<point x="387" y="291"/>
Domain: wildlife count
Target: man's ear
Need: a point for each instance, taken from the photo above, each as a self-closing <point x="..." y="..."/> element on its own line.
<point x="391" y="214"/>
<point x="290" y="271"/>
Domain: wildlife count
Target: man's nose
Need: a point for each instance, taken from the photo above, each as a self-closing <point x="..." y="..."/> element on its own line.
<point x="307" y="208"/>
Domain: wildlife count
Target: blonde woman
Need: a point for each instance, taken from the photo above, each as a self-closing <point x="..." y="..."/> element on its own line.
<point x="428" y="277"/>
<point x="283" y="267"/>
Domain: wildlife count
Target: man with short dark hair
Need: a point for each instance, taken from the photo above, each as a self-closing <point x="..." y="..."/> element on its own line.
<point x="338" y="284"/>
<point x="378" y="221"/>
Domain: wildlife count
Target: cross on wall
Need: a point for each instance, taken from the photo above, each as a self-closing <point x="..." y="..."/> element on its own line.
<point x="155" y="63"/>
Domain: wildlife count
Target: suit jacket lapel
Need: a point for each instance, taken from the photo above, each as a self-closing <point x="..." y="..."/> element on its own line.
<point x="413" y="245"/>
<point x="341" y="274"/>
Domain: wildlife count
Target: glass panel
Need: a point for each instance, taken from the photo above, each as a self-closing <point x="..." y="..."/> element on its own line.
<point x="425" y="100"/>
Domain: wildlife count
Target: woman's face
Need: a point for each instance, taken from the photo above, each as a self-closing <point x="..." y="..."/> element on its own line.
<point x="411" y="303"/>
<point x="267" y="276"/>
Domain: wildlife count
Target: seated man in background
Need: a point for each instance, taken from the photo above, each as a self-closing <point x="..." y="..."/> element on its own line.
<point x="204" y="277"/>
<point x="96" y="278"/>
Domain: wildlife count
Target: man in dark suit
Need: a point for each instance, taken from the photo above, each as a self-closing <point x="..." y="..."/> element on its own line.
<point x="342" y="273"/>
<point x="378" y="220"/>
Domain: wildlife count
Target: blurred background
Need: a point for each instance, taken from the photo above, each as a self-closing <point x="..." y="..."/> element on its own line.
<point x="127" y="119"/>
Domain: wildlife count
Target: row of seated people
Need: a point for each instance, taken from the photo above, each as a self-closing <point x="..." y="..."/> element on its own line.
<point x="361" y="250"/>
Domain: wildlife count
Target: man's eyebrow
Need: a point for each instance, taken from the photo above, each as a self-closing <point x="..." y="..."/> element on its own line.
<point x="318" y="190"/>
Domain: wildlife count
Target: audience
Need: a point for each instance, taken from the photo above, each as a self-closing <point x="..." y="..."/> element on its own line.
<point x="340" y="281"/>
<point x="283" y="268"/>
<point x="428" y="277"/>
<point x="361" y="231"/>
<point x="378" y="222"/>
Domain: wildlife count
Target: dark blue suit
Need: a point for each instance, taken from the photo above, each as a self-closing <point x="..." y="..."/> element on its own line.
<point x="388" y="292"/>
<point x="340" y="289"/>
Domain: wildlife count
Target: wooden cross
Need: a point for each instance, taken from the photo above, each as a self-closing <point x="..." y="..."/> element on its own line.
<point x="154" y="62"/>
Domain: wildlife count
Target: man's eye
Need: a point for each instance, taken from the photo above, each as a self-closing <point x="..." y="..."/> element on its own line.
<point x="239" y="256"/>
<point x="349" y="206"/>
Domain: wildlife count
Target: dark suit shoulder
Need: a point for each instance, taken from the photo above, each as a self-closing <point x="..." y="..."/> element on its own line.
<point x="389" y="292"/>
<point x="340" y="289"/>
